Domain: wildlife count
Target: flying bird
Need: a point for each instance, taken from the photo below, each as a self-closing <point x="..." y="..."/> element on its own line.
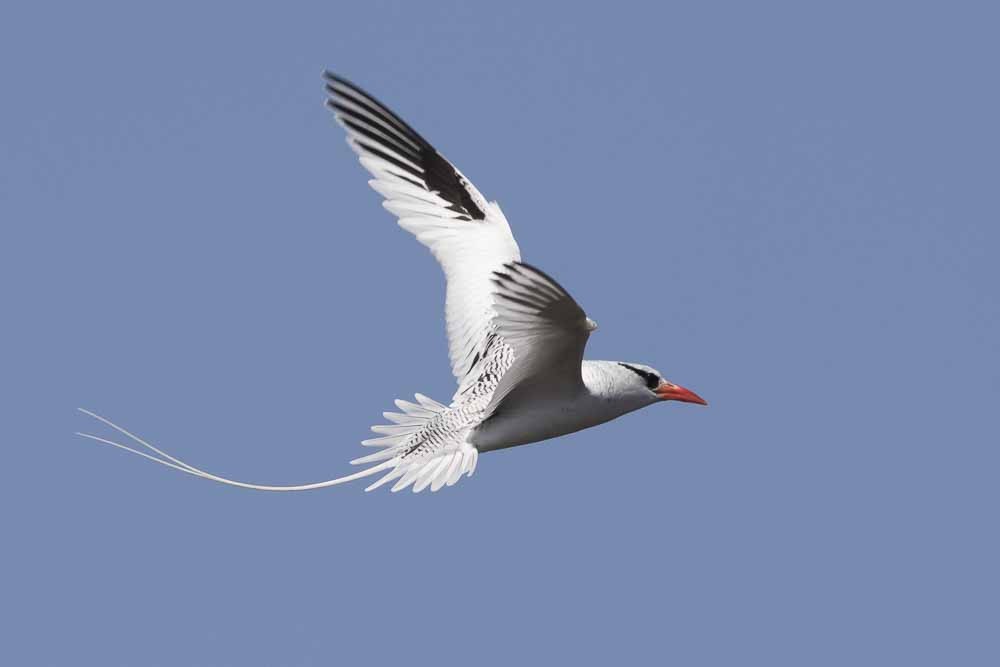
<point x="516" y="337"/>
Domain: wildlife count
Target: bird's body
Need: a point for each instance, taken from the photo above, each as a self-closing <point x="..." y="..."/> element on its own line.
<point x="516" y="337"/>
<point x="597" y="401"/>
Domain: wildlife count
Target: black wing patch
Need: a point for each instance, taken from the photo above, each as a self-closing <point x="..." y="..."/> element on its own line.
<point x="389" y="137"/>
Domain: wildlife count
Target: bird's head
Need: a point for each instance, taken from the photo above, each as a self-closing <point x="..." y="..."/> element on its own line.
<point x="647" y="383"/>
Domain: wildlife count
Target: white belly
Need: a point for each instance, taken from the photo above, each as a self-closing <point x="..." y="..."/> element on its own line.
<point x="540" y="421"/>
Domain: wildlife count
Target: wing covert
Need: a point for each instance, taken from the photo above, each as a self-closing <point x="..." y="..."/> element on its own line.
<point x="548" y="331"/>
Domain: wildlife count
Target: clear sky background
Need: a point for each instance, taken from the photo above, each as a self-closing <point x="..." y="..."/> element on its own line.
<point x="791" y="209"/>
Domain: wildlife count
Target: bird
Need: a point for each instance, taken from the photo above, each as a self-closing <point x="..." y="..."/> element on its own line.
<point x="516" y="337"/>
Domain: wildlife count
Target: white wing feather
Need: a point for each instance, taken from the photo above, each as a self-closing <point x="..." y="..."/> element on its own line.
<point x="435" y="202"/>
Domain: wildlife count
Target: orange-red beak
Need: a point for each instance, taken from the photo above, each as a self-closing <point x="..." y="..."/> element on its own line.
<point x="672" y="392"/>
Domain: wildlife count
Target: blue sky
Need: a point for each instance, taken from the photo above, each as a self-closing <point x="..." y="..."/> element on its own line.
<point x="790" y="209"/>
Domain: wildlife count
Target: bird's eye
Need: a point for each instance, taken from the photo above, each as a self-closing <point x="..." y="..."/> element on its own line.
<point x="651" y="379"/>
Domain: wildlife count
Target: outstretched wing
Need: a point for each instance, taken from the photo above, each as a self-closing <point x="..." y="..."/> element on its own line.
<point x="435" y="202"/>
<point x="548" y="332"/>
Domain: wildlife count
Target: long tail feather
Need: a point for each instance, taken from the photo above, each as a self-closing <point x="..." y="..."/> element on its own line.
<point x="177" y="464"/>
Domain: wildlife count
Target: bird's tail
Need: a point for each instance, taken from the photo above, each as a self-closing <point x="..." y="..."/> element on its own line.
<point x="400" y="456"/>
<point x="161" y="457"/>
<point x="418" y="459"/>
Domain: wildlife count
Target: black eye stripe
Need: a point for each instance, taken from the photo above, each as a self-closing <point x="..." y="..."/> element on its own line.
<point x="651" y="379"/>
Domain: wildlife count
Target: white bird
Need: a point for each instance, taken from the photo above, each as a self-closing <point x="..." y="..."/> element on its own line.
<point x="516" y="337"/>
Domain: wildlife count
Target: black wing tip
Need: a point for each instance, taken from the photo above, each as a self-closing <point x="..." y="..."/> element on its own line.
<point x="439" y="175"/>
<point x="330" y="78"/>
<point x="330" y="75"/>
<point x="370" y="104"/>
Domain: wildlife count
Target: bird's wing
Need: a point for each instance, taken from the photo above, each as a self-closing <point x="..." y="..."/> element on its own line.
<point x="547" y="330"/>
<point x="435" y="202"/>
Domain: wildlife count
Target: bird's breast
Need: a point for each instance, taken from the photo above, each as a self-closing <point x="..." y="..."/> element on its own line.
<point x="537" y="422"/>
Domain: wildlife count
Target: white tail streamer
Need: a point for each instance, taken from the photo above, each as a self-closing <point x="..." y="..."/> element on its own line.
<point x="177" y="464"/>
